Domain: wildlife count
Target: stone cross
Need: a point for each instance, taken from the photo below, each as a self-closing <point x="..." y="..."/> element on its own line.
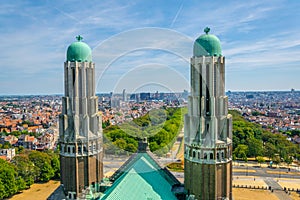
<point x="79" y="38"/>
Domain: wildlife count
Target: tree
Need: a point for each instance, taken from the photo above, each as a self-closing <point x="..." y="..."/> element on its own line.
<point x="154" y="146"/>
<point x="21" y="183"/>
<point x="255" y="113"/>
<point x="25" y="169"/>
<point x="255" y="147"/>
<point x="276" y="160"/>
<point x="19" y="149"/>
<point x="55" y="164"/>
<point x="241" y="151"/>
<point x="6" y="145"/>
<point x="235" y="141"/>
<point x="47" y="172"/>
<point x="234" y="157"/>
<point x="2" y="190"/>
<point x="244" y="157"/>
<point x="121" y="143"/>
<point x="105" y="124"/>
<point x="260" y="160"/>
<point x="288" y="160"/>
<point x="270" y="150"/>
<point x="43" y="163"/>
<point x="8" y="176"/>
<point x="131" y="148"/>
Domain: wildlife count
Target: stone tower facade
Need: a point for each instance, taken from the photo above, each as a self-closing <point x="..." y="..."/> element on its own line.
<point x="208" y="144"/>
<point x="80" y="127"/>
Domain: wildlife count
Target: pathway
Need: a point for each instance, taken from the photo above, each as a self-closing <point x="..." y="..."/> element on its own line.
<point x="278" y="190"/>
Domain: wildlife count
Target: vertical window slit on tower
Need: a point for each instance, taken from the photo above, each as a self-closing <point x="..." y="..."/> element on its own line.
<point x="215" y="79"/>
<point x="207" y="90"/>
<point x="207" y="102"/>
<point x="192" y="78"/>
<point x="200" y="80"/>
<point x="86" y="82"/>
<point x="73" y="73"/>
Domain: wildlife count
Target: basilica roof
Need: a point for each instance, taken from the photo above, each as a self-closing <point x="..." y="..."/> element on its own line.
<point x="141" y="177"/>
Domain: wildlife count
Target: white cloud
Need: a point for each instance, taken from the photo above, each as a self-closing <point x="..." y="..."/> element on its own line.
<point x="272" y="51"/>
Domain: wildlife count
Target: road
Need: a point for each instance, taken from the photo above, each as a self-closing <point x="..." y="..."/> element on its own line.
<point x="282" y="172"/>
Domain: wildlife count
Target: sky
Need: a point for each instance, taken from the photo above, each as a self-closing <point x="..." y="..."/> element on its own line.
<point x="147" y="45"/>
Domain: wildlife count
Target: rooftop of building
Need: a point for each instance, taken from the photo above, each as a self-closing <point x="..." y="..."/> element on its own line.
<point x="141" y="177"/>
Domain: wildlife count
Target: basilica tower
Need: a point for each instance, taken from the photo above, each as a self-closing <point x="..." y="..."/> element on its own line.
<point x="80" y="125"/>
<point x="208" y="144"/>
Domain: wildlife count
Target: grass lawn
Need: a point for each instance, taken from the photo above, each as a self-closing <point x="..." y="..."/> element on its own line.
<point x="246" y="194"/>
<point x="40" y="191"/>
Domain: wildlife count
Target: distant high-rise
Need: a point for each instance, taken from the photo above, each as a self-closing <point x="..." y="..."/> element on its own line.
<point x="80" y="128"/>
<point x="124" y="95"/>
<point x="208" y="146"/>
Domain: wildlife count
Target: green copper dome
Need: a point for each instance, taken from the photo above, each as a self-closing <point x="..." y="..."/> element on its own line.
<point x="207" y="45"/>
<point x="79" y="51"/>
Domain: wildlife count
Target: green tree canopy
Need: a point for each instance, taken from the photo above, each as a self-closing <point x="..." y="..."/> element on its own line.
<point x="255" y="147"/>
<point x="160" y="126"/>
<point x="25" y="169"/>
<point x="241" y="151"/>
<point x="9" y="179"/>
<point x="43" y="162"/>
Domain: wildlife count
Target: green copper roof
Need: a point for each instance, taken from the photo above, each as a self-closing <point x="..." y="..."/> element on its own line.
<point x="207" y="45"/>
<point x="79" y="51"/>
<point x="142" y="179"/>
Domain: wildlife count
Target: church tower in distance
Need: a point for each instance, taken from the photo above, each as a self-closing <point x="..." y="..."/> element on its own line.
<point x="80" y="127"/>
<point x="208" y="127"/>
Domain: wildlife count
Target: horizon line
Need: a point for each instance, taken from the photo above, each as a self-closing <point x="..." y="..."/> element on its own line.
<point x="61" y="94"/>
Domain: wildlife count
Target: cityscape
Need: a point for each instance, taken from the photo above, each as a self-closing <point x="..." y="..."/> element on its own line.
<point x="31" y="122"/>
<point x="277" y="111"/>
<point x="154" y="100"/>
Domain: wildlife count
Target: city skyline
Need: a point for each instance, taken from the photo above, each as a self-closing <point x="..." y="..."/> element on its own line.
<point x="132" y="43"/>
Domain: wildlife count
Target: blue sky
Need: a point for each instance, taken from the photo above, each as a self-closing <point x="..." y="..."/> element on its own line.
<point x="146" y="45"/>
